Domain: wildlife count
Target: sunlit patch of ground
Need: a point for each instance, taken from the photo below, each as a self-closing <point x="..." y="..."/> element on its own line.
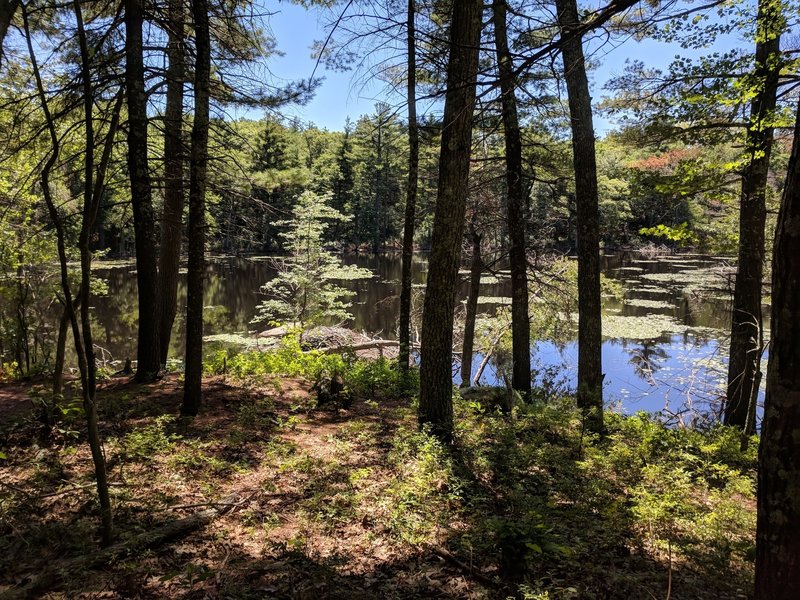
<point x="340" y="504"/>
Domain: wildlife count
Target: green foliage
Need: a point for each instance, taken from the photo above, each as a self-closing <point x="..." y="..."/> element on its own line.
<point x="289" y="360"/>
<point x="28" y="285"/>
<point x="690" y="489"/>
<point x="153" y="439"/>
<point x="558" y="496"/>
<point x="378" y="378"/>
<point x="424" y="489"/>
<point x="680" y="234"/>
<point x="364" y="378"/>
<point x="304" y="291"/>
<point x="199" y="458"/>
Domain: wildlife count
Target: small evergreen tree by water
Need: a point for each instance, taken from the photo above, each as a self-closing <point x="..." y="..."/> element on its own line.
<point x="307" y="289"/>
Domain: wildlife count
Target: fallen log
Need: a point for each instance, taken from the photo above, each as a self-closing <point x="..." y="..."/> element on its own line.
<point x="371" y="345"/>
<point x="57" y="574"/>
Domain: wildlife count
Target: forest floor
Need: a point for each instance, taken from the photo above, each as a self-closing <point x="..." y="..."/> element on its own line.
<point x="359" y="504"/>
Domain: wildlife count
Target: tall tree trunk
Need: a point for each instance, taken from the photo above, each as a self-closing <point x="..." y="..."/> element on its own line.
<point x="411" y="193"/>
<point x="197" y="228"/>
<point x="148" y="353"/>
<point x="61" y="346"/>
<point x="778" y="530"/>
<point x="92" y="191"/>
<point x="520" y="321"/>
<point x="436" y="384"/>
<point x="93" y="184"/>
<point x="590" y="372"/>
<point x="476" y="268"/>
<point x="172" y="221"/>
<point x="744" y="365"/>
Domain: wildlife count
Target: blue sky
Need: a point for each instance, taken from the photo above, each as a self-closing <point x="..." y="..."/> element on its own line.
<point x="295" y="30"/>
<point x="339" y="97"/>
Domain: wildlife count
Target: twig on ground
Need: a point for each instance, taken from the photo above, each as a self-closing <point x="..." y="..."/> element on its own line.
<point x="61" y="572"/>
<point x="468" y="571"/>
<point x="227" y="505"/>
<point x="77" y="488"/>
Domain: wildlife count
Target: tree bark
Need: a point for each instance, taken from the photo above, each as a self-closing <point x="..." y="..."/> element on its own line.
<point x="744" y="365"/>
<point x="148" y="353"/>
<point x="7" y="10"/>
<point x="404" y="334"/>
<point x="61" y="346"/>
<point x="93" y="186"/>
<point x="436" y="384"/>
<point x="93" y="183"/>
<point x="476" y="268"/>
<point x="590" y="373"/>
<point x="197" y="228"/>
<point x="778" y="529"/>
<point x="515" y="208"/>
<point x="172" y="219"/>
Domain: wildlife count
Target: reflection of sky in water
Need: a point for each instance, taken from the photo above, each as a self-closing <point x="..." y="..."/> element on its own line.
<point x="672" y="374"/>
<point x="663" y="294"/>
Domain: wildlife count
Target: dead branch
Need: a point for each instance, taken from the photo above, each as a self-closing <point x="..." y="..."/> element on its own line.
<point x="61" y="572"/>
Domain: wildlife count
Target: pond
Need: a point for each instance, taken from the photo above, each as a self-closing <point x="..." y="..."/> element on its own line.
<point x="665" y="340"/>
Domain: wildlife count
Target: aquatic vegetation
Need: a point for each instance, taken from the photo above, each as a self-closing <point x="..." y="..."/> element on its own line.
<point x="649" y="289"/>
<point x="233" y="339"/>
<point x="641" y="328"/>
<point x="494" y="300"/>
<point x="691" y="280"/>
<point x="492" y="279"/>
<point x="103" y="264"/>
<point x="630" y="270"/>
<point x="642" y="303"/>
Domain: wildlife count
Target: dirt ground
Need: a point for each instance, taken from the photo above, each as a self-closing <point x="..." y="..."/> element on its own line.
<point x="304" y="524"/>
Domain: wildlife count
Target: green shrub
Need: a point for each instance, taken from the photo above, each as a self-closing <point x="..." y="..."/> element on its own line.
<point x="364" y="378"/>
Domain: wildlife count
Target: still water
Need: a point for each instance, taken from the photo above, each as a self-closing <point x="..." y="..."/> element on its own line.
<point x="664" y="344"/>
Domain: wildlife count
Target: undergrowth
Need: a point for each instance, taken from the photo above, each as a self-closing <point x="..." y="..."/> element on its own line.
<point x="527" y="499"/>
<point x="365" y="378"/>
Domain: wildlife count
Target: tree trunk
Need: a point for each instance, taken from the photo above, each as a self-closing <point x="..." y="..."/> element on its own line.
<point x="476" y="268"/>
<point x="92" y="192"/>
<point x="778" y="531"/>
<point x="172" y="221"/>
<point x="590" y="373"/>
<point x="197" y="191"/>
<point x="411" y="195"/>
<point x="520" y="321"/>
<point x="436" y="384"/>
<point x="61" y="346"/>
<point x="744" y="365"/>
<point x="148" y="353"/>
<point x="93" y="182"/>
<point x="7" y="10"/>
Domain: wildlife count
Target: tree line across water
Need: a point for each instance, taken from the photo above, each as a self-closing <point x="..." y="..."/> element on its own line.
<point x="114" y="137"/>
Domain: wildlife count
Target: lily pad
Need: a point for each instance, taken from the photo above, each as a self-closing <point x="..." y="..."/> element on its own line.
<point x="642" y="303"/>
<point x="641" y="328"/>
<point x="494" y="300"/>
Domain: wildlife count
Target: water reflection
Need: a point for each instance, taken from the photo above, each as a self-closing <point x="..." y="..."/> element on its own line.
<point x="647" y="358"/>
<point x="665" y="337"/>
